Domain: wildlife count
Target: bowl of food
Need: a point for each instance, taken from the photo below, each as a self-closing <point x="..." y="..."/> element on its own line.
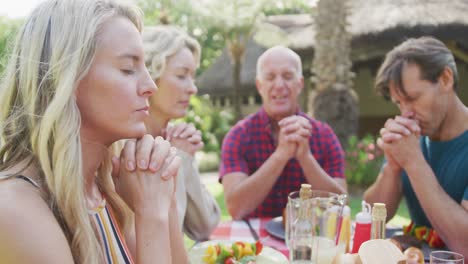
<point x="238" y="252"/>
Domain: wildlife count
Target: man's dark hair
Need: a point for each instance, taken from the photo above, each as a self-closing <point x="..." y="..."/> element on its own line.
<point x="429" y="54"/>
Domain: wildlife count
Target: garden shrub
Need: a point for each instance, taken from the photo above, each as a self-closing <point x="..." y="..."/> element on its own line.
<point x="363" y="160"/>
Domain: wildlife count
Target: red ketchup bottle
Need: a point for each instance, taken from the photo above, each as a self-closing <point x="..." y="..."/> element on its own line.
<point x="362" y="231"/>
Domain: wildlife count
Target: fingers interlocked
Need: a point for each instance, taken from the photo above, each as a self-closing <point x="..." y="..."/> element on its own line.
<point x="295" y="127"/>
<point x="156" y="155"/>
<point x="399" y="127"/>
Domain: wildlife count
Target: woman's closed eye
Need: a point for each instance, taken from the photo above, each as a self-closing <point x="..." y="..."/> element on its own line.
<point x="181" y="76"/>
<point x="128" y="71"/>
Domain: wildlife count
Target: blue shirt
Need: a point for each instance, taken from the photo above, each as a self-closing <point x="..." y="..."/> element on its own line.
<point x="449" y="162"/>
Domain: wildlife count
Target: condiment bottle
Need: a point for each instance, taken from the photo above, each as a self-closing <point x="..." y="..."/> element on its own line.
<point x="379" y="216"/>
<point x="362" y="231"/>
<point x="345" y="233"/>
<point x="302" y="228"/>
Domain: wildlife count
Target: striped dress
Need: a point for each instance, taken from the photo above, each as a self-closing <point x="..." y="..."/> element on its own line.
<point x="110" y="237"/>
<point x="112" y="240"/>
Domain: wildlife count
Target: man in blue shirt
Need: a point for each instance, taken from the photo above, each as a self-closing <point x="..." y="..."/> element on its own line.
<point x="426" y="146"/>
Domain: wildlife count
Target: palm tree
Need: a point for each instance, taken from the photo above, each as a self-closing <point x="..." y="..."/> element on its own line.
<point x="236" y="20"/>
<point x="333" y="100"/>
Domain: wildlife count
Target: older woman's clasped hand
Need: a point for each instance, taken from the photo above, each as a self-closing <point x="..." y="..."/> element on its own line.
<point x="185" y="136"/>
<point x="144" y="176"/>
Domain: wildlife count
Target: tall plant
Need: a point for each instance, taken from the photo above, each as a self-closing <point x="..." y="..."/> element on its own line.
<point x="8" y="29"/>
<point x="212" y="123"/>
<point x="363" y="160"/>
<point x="236" y="20"/>
<point x="183" y="14"/>
<point x="333" y="100"/>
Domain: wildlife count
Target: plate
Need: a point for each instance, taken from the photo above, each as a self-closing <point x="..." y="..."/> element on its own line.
<point x="275" y="227"/>
<point x="393" y="231"/>
<point x="267" y="256"/>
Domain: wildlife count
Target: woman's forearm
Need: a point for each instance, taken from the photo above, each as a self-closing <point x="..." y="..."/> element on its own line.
<point x="178" y="252"/>
<point x="152" y="236"/>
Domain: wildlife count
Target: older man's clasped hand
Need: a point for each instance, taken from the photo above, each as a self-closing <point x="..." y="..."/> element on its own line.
<point x="294" y="135"/>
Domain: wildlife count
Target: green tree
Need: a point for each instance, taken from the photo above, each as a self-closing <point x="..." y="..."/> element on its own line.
<point x="183" y="15"/>
<point x="280" y="7"/>
<point x="194" y="16"/>
<point x="214" y="124"/>
<point x="236" y="20"/>
<point x="333" y="101"/>
<point x="217" y="24"/>
<point x="8" y="29"/>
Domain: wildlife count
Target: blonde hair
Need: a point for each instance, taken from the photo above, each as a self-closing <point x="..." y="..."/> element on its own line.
<point x="163" y="41"/>
<point x="39" y="117"/>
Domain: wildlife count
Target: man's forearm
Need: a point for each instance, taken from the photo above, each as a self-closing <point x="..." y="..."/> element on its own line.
<point x="447" y="216"/>
<point x="246" y="195"/>
<point x="386" y="189"/>
<point x="318" y="178"/>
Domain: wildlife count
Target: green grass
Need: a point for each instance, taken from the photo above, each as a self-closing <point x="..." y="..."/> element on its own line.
<point x="216" y="189"/>
<point x="401" y="217"/>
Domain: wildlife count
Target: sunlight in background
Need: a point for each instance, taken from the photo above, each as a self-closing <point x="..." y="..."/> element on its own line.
<point x="17" y="8"/>
<point x="21" y="8"/>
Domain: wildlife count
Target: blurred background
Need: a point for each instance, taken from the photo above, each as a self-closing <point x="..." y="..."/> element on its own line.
<point x="341" y="43"/>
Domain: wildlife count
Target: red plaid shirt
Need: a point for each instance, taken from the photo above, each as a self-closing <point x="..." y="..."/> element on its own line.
<point x="249" y="144"/>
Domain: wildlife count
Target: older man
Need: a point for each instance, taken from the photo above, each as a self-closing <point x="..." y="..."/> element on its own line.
<point x="269" y="154"/>
<point x="426" y="146"/>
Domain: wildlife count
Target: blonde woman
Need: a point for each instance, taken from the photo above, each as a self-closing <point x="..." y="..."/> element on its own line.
<point x="172" y="58"/>
<point x="76" y="83"/>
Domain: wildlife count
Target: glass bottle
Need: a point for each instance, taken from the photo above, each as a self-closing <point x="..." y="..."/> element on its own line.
<point x="302" y="228"/>
<point x="345" y="234"/>
<point x="379" y="216"/>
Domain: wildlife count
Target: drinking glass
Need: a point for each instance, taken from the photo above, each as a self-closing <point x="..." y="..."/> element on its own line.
<point x="446" y="257"/>
<point x="326" y="210"/>
<point x="292" y="209"/>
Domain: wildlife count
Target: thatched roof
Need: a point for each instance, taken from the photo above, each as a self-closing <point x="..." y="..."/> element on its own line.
<point x="376" y="26"/>
<point x="218" y="78"/>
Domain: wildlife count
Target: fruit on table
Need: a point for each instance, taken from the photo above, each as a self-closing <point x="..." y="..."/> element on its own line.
<point x="210" y="255"/>
<point x="229" y="261"/>
<point x="414" y="255"/>
<point x="433" y="239"/>
<point x="258" y="247"/>
<point x="424" y="233"/>
<point x="408" y="230"/>
<point x="238" y="252"/>
<point x="420" y="232"/>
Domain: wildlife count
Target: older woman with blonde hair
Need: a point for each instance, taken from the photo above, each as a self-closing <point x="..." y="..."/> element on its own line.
<point x="172" y="58"/>
<point x="76" y="83"/>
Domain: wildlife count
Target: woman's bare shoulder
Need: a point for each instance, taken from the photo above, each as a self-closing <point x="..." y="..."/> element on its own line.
<point x="30" y="232"/>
